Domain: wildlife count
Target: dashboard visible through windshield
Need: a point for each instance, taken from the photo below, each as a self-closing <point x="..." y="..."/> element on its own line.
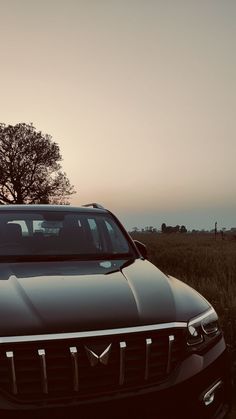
<point x="60" y="233"/>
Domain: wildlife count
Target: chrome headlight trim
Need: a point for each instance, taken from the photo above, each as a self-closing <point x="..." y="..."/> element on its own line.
<point x="198" y="335"/>
<point x="201" y="317"/>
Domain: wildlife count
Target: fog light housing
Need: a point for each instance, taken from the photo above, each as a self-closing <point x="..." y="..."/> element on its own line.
<point x="209" y="397"/>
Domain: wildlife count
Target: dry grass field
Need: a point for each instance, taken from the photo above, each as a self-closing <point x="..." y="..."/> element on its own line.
<point x="207" y="264"/>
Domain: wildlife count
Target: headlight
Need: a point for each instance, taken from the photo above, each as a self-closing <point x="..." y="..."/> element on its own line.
<point x="202" y="329"/>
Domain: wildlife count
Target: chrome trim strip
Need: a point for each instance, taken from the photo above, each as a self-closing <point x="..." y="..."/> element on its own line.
<point x="122" y="363"/>
<point x="93" y="333"/>
<point x="10" y="356"/>
<point x="74" y="359"/>
<point x="171" y="340"/>
<point x="41" y="353"/>
<point x="147" y="358"/>
<point x="201" y="317"/>
<point x="212" y="390"/>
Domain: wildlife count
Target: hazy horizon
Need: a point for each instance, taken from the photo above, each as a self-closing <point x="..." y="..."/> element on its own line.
<point x="139" y="95"/>
<point x="193" y="220"/>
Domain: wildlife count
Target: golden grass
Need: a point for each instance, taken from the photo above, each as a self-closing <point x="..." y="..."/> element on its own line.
<point x="204" y="263"/>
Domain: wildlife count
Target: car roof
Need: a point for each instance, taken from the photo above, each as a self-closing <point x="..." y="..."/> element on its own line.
<point x="47" y="207"/>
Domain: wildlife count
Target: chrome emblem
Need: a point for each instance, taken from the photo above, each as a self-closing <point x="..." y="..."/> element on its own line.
<point x="95" y="359"/>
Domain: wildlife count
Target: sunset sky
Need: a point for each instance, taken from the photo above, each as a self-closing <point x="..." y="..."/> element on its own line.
<point x="139" y="95"/>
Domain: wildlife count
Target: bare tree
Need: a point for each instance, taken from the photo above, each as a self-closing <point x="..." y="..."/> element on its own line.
<point x="30" y="171"/>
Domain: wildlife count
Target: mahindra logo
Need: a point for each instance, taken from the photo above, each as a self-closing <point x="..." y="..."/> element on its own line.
<point x="95" y="359"/>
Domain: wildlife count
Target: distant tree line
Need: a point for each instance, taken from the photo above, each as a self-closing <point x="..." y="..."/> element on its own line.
<point x="221" y="234"/>
<point x="170" y="229"/>
<point x="164" y="229"/>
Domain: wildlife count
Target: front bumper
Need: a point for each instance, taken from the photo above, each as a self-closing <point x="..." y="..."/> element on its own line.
<point x="182" y="396"/>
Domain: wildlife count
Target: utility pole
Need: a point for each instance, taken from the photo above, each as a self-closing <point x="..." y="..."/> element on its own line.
<point x="215" y="229"/>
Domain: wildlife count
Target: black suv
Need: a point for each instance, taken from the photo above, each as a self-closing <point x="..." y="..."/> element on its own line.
<point x="87" y="322"/>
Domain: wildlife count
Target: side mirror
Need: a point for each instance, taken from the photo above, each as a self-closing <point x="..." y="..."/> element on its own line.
<point x="141" y="248"/>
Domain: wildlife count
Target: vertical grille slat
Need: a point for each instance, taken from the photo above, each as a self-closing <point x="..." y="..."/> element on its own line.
<point x="147" y="360"/>
<point x="74" y="359"/>
<point x="171" y="340"/>
<point x="10" y="357"/>
<point x="43" y="368"/>
<point x="122" y="363"/>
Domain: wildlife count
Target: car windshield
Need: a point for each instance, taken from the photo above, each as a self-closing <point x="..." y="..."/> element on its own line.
<point x="61" y="233"/>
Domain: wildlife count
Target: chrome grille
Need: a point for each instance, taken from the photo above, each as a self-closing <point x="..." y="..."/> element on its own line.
<point x="85" y="367"/>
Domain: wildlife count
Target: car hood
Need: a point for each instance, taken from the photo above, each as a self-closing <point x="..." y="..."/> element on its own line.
<point x="60" y="297"/>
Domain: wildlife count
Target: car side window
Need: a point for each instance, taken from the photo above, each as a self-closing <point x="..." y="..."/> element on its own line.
<point x="95" y="233"/>
<point x="23" y="226"/>
<point x="117" y="239"/>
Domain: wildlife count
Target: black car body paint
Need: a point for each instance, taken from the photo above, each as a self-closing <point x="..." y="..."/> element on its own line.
<point x="73" y="283"/>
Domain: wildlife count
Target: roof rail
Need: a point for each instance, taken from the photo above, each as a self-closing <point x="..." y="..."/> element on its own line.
<point x="94" y="205"/>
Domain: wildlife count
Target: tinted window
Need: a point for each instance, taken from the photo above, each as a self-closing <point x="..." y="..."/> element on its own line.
<point x="60" y="232"/>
